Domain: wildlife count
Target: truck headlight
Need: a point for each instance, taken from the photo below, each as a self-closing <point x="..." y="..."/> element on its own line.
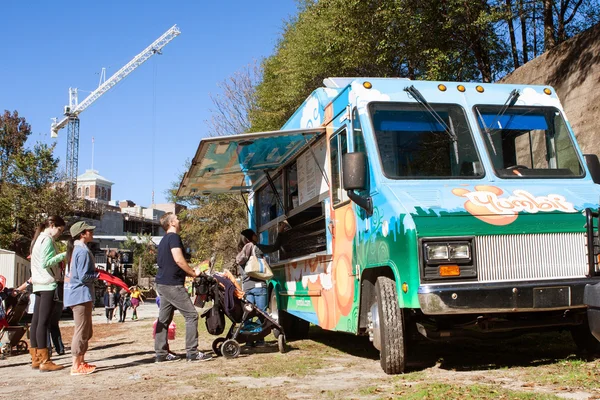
<point x="448" y="258"/>
<point x="436" y="252"/>
<point x="447" y="252"/>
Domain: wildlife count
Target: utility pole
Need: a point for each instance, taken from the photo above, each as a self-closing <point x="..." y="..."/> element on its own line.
<point x="139" y="270"/>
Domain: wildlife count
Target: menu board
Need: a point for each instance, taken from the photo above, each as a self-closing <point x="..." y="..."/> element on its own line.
<point x="311" y="182"/>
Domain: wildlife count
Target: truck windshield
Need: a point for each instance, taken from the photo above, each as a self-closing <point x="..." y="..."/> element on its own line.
<point x="528" y="142"/>
<point x="413" y="144"/>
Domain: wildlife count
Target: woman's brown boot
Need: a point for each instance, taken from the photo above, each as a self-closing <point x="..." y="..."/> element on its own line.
<point x="46" y="364"/>
<point x="35" y="361"/>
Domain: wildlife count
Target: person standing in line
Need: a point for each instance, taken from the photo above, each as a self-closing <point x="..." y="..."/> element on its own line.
<point x="45" y="274"/>
<point x="124" y="304"/>
<point x="170" y="279"/>
<point x="110" y="302"/>
<point x="136" y="299"/>
<point x="57" y="313"/>
<point x="256" y="289"/>
<point x="79" y="293"/>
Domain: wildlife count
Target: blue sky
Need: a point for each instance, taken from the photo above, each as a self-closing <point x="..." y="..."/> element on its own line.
<point x="49" y="46"/>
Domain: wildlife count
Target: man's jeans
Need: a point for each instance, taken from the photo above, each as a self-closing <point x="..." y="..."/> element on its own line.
<point x="175" y="298"/>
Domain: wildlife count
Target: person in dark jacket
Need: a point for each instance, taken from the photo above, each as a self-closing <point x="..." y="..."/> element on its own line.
<point x="110" y="302"/>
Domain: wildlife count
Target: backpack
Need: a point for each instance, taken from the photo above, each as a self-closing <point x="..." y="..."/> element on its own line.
<point x="214" y="317"/>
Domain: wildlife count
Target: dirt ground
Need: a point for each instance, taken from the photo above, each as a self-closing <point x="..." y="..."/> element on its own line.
<point x="329" y="366"/>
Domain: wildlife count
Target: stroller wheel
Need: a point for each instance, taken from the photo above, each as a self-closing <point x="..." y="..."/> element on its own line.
<point x="230" y="348"/>
<point x="217" y="344"/>
<point x="22" y="346"/>
<point x="281" y="343"/>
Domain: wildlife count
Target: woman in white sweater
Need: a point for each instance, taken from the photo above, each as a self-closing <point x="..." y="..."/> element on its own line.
<point x="45" y="273"/>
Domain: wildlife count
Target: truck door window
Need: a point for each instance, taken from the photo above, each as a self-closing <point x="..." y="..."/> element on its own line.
<point x="412" y="144"/>
<point x="528" y="142"/>
<point x="357" y="133"/>
<point x="339" y="147"/>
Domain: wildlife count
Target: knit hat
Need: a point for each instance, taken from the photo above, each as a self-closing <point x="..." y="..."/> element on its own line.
<point x="2" y="282"/>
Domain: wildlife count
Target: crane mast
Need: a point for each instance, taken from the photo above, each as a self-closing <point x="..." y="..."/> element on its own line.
<point x="72" y="111"/>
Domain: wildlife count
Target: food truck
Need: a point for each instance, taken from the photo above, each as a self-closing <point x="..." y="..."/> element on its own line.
<point x="418" y="209"/>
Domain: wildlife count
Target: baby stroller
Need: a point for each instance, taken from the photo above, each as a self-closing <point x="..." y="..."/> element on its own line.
<point x="220" y="289"/>
<point x="11" y="336"/>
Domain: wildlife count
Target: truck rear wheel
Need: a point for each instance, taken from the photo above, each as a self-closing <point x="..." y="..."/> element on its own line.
<point x="390" y="328"/>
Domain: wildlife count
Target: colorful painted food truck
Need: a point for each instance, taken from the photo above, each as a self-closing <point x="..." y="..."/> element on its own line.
<point x="418" y="209"/>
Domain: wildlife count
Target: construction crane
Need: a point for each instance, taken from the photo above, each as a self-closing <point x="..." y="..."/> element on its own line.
<point x="72" y="111"/>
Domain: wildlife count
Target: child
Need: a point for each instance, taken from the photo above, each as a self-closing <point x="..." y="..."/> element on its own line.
<point x="110" y="302"/>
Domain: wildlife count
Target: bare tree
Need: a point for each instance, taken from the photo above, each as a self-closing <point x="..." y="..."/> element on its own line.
<point x="233" y="105"/>
<point x="511" y="31"/>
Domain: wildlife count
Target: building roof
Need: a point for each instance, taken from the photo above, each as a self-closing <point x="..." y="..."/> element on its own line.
<point x="91" y="175"/>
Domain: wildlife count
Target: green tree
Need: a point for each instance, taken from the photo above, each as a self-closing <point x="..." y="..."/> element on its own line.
<point x="418" y="39"/>
<point x="30" y="185"/>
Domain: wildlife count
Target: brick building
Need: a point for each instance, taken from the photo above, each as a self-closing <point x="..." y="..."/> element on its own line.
<point x="93" y="186"/>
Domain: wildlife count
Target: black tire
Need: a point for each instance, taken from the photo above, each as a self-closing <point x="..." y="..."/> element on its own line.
<point x="281" y="344"/>
<point x="217" y="344"/>
<point x="294" y="328"/>
<point x="22" y="346"/>
<point x="392" y="329"/>
<point x="584" y="340"/>
<point x="230" y="349"/>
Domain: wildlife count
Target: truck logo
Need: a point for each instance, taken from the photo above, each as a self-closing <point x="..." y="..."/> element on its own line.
<point x="486" y="204"/>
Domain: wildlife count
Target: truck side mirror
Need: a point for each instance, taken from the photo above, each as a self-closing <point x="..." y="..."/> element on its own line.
<point x="354" y="171"/>
<point x="354" y="177"/>
<point x="594" y="166"/>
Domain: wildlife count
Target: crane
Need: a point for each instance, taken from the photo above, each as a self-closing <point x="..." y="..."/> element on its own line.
<point x="72" y="111"/>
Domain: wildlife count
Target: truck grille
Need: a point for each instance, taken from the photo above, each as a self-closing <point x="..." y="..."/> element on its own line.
<point x="530" y="257"/>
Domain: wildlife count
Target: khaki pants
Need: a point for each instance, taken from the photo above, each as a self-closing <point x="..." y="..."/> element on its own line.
<point x="82" y="315"/>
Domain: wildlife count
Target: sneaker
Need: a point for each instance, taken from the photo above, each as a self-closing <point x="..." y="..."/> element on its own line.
<point x="83" y="369"/>
<point x="167" y="358"/>
<point x="200" y="357"/>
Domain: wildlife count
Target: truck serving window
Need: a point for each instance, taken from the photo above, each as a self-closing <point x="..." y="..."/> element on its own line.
<point x="528" y="142"/>
<point x="412" y="143"/>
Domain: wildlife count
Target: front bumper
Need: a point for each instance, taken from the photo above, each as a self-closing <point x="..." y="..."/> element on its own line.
<point x="503" y="297"/>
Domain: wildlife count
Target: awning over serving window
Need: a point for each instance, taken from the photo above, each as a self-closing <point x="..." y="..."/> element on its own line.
<point x="235" y="163"/>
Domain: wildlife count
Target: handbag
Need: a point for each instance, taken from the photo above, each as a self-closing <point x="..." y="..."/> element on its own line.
<point x="257" y="267"/>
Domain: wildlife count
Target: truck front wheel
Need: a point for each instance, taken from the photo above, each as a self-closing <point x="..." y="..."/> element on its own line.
<point x="387" y="325"/>
<point x="584" y="340"/>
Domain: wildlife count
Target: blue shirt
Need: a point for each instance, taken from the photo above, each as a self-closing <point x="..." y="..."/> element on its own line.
<point x="169" y="272"/>
<point x="79" y="282"/>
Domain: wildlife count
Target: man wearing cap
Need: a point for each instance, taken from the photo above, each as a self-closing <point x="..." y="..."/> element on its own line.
<point x="79" y="293"/>
<point x="170" y="280"/>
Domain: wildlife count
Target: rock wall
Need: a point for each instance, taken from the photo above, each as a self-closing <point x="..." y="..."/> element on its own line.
<point x="573" y="69"/>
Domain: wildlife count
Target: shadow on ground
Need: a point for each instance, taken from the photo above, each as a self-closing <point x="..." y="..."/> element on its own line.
<point x="523" y="351"/>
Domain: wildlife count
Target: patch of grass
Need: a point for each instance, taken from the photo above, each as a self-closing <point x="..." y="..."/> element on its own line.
<point x="571" y="373"/>
<point x="369" y="390"/>
<point x="285" y="365"/>
<point x="446" y="391"/>
<point x="415" y="376"/>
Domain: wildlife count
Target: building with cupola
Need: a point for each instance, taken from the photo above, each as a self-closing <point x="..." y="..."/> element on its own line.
<point x="93" y="186"/>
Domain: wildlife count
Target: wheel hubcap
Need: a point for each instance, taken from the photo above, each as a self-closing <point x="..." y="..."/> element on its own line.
<point x="374" y="328"/>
